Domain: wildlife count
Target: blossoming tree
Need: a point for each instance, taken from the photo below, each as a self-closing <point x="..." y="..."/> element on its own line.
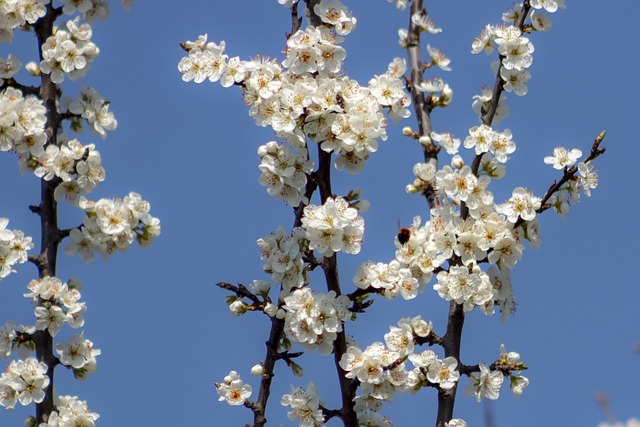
<point x="464" y="251"/>
<point x="35" y="125"/>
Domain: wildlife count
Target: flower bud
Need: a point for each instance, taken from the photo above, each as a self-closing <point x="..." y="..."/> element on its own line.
<point x="238" y="308"/>
<point x="271" y="309"/>
<point x="424" y="140"/>
<point x="420" y="327"/>
<point x="407" y="131"/>
<point x="297" y="369"/>
<point x="257" y="370"/>
<point x="228" y="379"/>
<point x="445" y="97"/>
<point x="457" y="162"/>
<point x="33" y="69"/>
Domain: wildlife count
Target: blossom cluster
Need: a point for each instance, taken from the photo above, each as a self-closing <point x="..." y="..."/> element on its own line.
<point x="314" y="320"/>
<point x="586" y="179"/>
<point x="78" y="354"/>
<point x="333" y="227"/>
<point x="16" y="13"/>
<point x="486" y="140"/>
<point x="13" y="248"/>
<point x="23" y="381"/>
<point x="9" y="67"/>
<point x="56" y="303"/>
<point x="487" y="382"/>
<point x="515" y="50"/>
<point x="112" y="224"/>
<point x="439" y="93"/>
<point x="21" y="123"/>
<point x="282" y="259"/>
<point x="305" y="405"/>
<point x="284" y="172"/>
<point x="233" y="390"/>
<point x="68" y="52"/>
<point x="382" y="370"/>
<point x="78" y="166"/>
<point x="306" y="95"/>
<point x="469" y="289"/>
<point x="490" y="236"/>
<point x="94" y="109"/>
<point x="70" y="412"/>
<point x="390" y="280"/>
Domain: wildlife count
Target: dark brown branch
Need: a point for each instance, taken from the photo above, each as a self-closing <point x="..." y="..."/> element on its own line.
<point x="451" y="345"/>
<point x="242" y="292"/>
<point x="330" y="268"/>
<point x="568" y="175"/>
<point x="498" y="365"/>
<point x="47" y="211"/>
<point x="275" y="337"/>
<point x="26" y="90"/>
<point x="421" y="107"/>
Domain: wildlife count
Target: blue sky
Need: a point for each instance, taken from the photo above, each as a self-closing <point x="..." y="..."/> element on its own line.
<point x="163" y="328"/>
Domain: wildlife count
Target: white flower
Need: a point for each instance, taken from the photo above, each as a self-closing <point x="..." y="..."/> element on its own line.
<point x="482" y="42"/>
<point x="481" y="137"/>
<point x="284" y="173"/>
<point x="447" y="141"/>
<point x="443" y="372"/>
<point x="469" y="289"/>
<point x="23" y="381"/>
<point x="305" y="405"/>
<point x="540" y="20"/>
<point x="400" y="339"/>
<point x="482" y="102"/>
<point x="485" y="384"/>
<point x="335" y="13"/>
<point x="71" y="412"/>
<point x="315" y="319"/>
<point x="522" y="204"/>
<point x="563" y="158"/>
<point x="78" y="352"/>
<point x="420" y="327"/>
<point x="422" y="21"/>
<point x="515" y="80"/>
<point x="233" y="390"/>
<point x="205" y="60"/>
<point x="438" y="59"/>
<point x="51" y="319"/>
<point x="333" y="227"/>
<point x="517" y="384"/>
<point x="516" y="52"/>
<point x="507" y="251"/>
<point x="587" y="177"/>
